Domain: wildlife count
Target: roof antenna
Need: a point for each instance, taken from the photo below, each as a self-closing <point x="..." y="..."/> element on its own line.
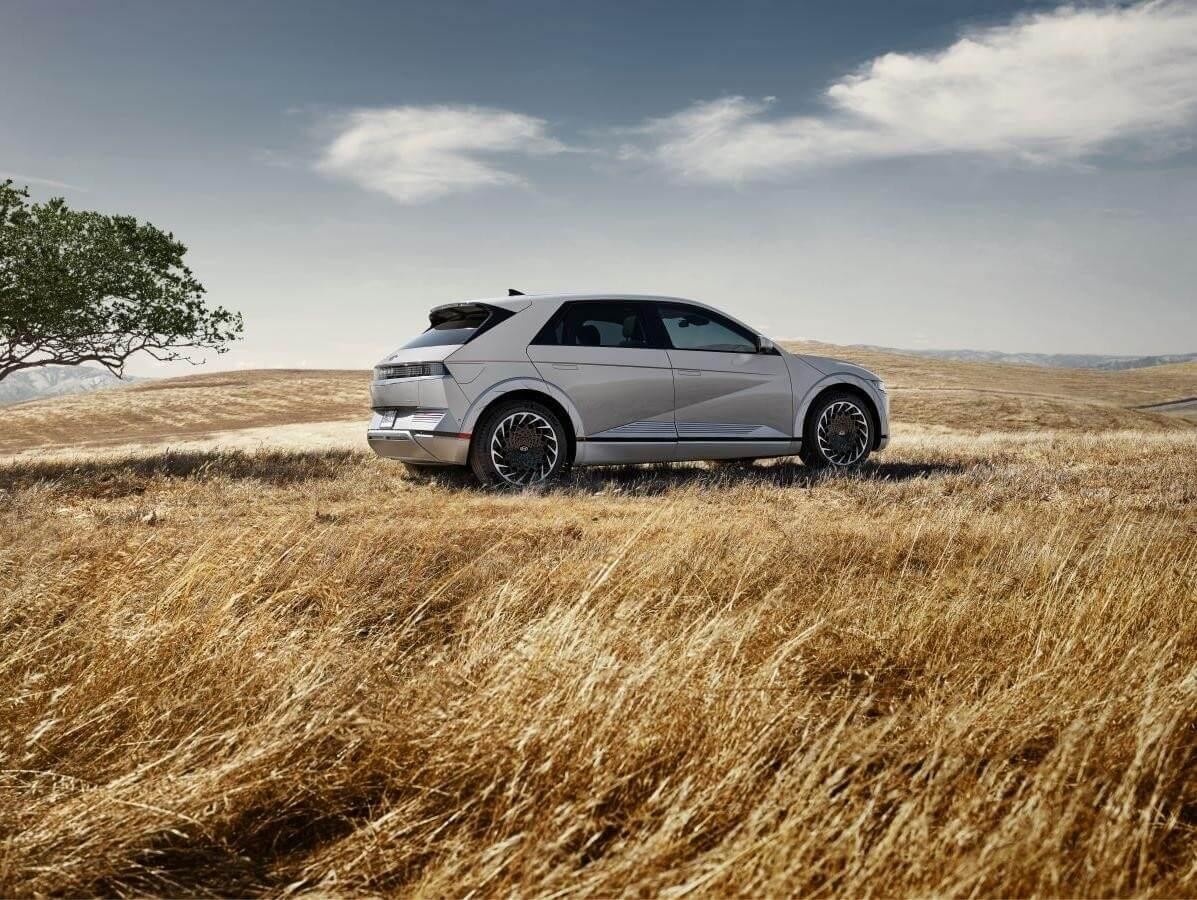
<point x="512" y="292"/>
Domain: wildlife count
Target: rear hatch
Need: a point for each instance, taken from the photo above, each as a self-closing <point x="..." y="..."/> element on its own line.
<point x="449" y="327"/>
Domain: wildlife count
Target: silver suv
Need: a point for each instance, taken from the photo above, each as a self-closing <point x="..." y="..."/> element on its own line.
<point x="521" y="388"/>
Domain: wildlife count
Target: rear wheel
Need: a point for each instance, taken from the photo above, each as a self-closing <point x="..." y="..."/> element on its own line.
<point x="838" y="432"/>
<point x="519" y="444"/>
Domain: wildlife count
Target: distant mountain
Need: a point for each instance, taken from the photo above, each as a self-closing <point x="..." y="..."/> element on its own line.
<point x="56" y="381"/>
<point x="1051" y="360"/>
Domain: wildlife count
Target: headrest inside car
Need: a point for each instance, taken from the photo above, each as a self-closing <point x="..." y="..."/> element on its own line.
<point x="588" y="336"/>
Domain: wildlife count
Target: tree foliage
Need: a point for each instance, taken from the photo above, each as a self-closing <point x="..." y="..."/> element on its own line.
<point x="79" y="287"/>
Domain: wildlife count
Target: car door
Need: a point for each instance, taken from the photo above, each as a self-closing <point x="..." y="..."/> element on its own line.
<point x="605" y="357"/>
<point x="730" y="398"/>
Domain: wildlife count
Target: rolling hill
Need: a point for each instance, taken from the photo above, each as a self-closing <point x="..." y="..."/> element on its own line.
<point x="1050" y="360"/>
<point x="301" y="407"/>
<point x="58" y="381"/>
<point x="191" y="408"/>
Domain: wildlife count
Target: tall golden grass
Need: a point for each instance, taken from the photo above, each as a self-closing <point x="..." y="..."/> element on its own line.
<point x="969" y="670"/>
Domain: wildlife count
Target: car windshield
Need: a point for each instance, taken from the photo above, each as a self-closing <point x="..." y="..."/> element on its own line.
<point x="453" y="325"/>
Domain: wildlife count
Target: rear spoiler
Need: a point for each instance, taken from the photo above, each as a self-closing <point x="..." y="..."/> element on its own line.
<point x="446" y="311"/>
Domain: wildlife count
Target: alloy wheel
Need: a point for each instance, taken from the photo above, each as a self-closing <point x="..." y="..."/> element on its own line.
<point x="524" y="448"/>
<point x="843" y="433"/>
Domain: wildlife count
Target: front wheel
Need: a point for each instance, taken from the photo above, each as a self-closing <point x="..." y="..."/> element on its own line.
<point x="838" y="432"/>
<point x="519" y="444"/>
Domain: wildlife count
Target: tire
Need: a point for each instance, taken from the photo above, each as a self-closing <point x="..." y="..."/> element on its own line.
<point x="839" y="433"/>
<point x="519" y="444"/>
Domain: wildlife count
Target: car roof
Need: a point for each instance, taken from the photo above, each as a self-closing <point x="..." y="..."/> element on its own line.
<point x="521" y="301"/>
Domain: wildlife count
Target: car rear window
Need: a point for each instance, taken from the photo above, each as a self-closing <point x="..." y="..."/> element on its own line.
<point x="596" y="323"/>
<point x="457" y="324"/>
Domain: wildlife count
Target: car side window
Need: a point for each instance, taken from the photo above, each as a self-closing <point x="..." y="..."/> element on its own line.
<point x="693" y="328"/>
<point x="596" y="323"/>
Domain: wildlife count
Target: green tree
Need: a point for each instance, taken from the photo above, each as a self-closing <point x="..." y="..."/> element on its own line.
<point x="84" y="287"/>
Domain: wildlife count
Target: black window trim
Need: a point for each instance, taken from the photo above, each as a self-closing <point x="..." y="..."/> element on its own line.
<point x="742" y="330"/>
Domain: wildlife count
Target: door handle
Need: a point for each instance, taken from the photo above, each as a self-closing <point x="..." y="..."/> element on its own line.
<point x="568" y="366"/>
<point x="688" y="371"/>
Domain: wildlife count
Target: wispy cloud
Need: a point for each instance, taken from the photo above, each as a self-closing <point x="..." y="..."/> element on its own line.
<point x="20" y="179"/>
<point x="1055" y="87"/>
<point x="418" y="153"/>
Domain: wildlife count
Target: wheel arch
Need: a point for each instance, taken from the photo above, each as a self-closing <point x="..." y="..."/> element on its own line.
<point x="839" y="384"/>
<point x="540" y="393"/>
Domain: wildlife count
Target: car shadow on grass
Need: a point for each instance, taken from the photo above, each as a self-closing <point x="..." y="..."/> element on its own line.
<point x="669" y="477"/>
<point x="660" y="478"/>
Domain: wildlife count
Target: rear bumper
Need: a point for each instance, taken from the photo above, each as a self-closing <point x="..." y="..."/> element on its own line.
<point x="419" y="447"/>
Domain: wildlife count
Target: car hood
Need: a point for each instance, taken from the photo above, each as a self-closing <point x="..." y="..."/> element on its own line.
<point x="435" y="353"/>
<point x="830" y="366"/>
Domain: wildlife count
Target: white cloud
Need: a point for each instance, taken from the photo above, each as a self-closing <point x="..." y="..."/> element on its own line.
<point x="1055" y="87"/>
<point x="419" y="153"/>
<point x="26" y="180"/>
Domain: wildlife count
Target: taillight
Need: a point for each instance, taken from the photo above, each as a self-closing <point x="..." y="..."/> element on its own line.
<point x="409" y="370"/>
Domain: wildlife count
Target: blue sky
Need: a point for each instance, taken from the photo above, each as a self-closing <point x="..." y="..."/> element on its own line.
<point x="1011" y="176"/>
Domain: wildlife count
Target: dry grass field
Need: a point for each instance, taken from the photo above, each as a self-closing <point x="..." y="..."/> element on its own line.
<point x="969" y="669"/>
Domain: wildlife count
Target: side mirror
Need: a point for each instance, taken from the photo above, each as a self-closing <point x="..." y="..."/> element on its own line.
<point x="764" y="345"/>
